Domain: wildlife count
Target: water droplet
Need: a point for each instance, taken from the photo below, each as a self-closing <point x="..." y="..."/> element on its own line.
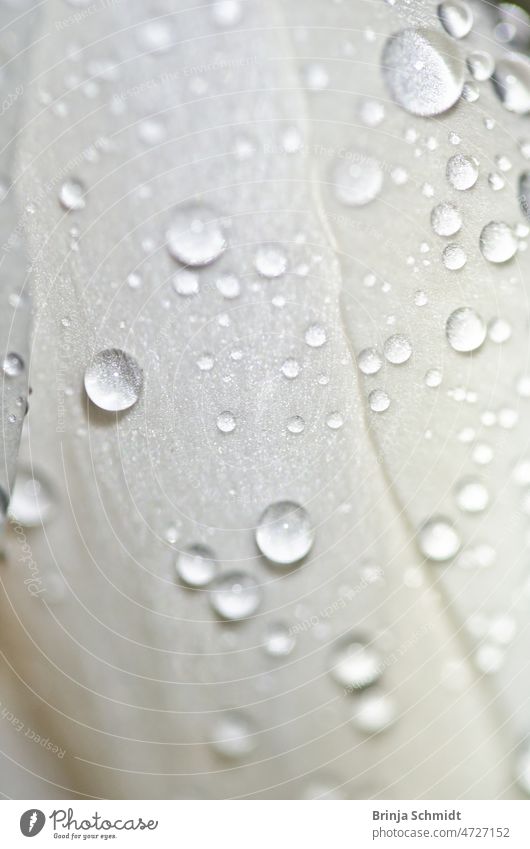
<point x="357" y="179"/>
<point x="335" y="421"/>
<point x="446" y="219"/>
<point x="13" y="365"/>
<point x="290" y="368"/>
<point x="72" y="195"/>
<point x="454" y="257"/>
<point x="228" y="286"/>
<point x="470" y="92"/>
<point x="471" y="495"/>
<point x="465" y="330"/>
<point x="279" y="642"/>
<point x="186" y="283"/>
<point x="134" y="281"/>
<point x="205" y="362"/>
<point x="456" y="18"/>
<point x="296" y="424"/>
<point x="113" y="380"/>
<point x="524" y="193"/>
<point x="226" y="422"/>
<point x="32" y="501"/>
<point x="355" y="664"/>
<point x="316" y="77"/>
<point x="379" y="401"/>
<point x="233" y="736"/>
<point x="196" y="235"/>
<point x="462" y="171"/>
<point x="227" y="13"/>
<point x="270" y="261"/>
<point x="369" y="361"/>
<point x="511" y="81"/>
<point x="423" y="71"/>
<point x="397" y="349"/>
<point x="373" y="711"/>
<point x="235" y="596"/>
<point x="497" y="242"/>
<point x="285" y="534"/>
<point x="438" y="539"/>
<point x="154" y="37"/>
<point x="196" y="566"/>
<point x="315" y="336"/>
<point x="433" y="378"/>
<point x="499" y="330"/>
<point x="371" y="112"/>
<point x="522" y="769"/>
<point x="480" y="65"/>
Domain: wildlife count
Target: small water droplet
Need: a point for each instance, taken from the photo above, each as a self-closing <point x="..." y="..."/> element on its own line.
<point x="290" y="368"/>
<point x="270" y="261"/>
<point x="373" y="711"/>
<point x="113" y="380"/>
<point x="13" y="365"/>
<point x="471" y="495"/>
<point x="196" y="566"/>
<point x="369" y="361"/>
<point x="438" y="539"/>
<point x="456" y="18"/>
<point x="465" y="330"/>
<point x="226" y="422"/>
<point x="186" y="283"/>
<point x="397" y="349"/>
<point x="498" y="242"/>
<point x="315" y="336"/>
<point x="423" y="71"/>
<point x="32" y="501"/>
<point x="462" y="171"/>
<point x="379" y="401"/>
<point x="285" y="534"/>
<point x="227" y="13"/>
<point x="357" y="179"/>
<point x="454" y="257"/>
<point x="196" y="235"/>
<point x="296" y="424"/>
<point x="446" y="219"/>
<point x="335" y="421"/>
<point x="355" y="664"/>
<point x="480" y="65"/>
<point x="235" y="596"/>
<point x="279" y="642"/>
<point x="72" y="195"/>
<point x="228" y="286"/>
<point x="433" y="378"/>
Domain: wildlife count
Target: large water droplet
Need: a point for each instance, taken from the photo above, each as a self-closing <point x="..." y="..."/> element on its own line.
<point x="511" y="81"/>
<point x="196" y="566"/>
<point x="465" y="330"/>
<point x="235" y="596"/>
<point x="113" y="380"/>
<point x="423" y="71"/>
<point x="357" y="179"/>
<point x="355" y="664"/>
<point x="438" y="539"/>
<point x="285" y="533"/>
<point x="498" y="242"/>
<point x="196" y="235"/>
<point x="456" y="18"/>
<point x="233" y="736"/>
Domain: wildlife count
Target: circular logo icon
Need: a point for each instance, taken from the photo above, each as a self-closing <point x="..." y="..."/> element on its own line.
<point x="31" y="822"/>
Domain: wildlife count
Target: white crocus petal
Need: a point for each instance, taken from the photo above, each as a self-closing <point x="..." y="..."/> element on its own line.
<point x="189" y="443"/>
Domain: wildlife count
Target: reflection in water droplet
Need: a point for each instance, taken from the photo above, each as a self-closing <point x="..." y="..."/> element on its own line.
<point x="423" y="71"/>
<point x="498" y="242"/>
<point x="355" y="664"/>
<point x="511" y="81"/>
<point x="233" y="736"/>
<point x="465" y="330"/>
<point x="456" y="18"/>
<point x="357" y="179"/>
<point x="72" y="195"/>
<point x="235" y="596"/>
<point x="196" y="566"/>
<point x="195" y="236"/>
<point x="113" y="380"/>
<point x="438" y="539"/>
<point x="285" y="534"/>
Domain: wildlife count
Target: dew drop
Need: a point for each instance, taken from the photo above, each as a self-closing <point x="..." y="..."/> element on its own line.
<point x="397" y="349"/>
<point x="233" y="736"/>
<point x="227" y="13"/>
<point x="205" y="362"/>
<point x="335" y="421"/>
<point x="13" y="365"/>
<point x="228" y="286"/>
<point x="423" y="71"/>
<point x="379" y="401"/>
<point x="32" y="501"/>
<point x="433" y="378"/>
<point x="462" y="171"/>
<point x="369" y="361"/>
<point x="355" y="664"/>
<point x="270" y="261"/>
<point x="226" y="422"/>
<point x="196" y="566"/>
<point x="456" y="18"/>
<point x="196" y="235"/>
<point x="498" y="242"/>
<point x="235" y="596"/>
<point x="285" y="534"/>
<point x="279" y="641"/>
<point x="186" y="283"/>
<point x="471" y="495"/>
<point x="296" y="424"/>
<point x="113" y="380"/>
<point x="315" y="336"/>
<point x="72" y="195"/>
<point x="480" y="65"/>
<point x="438" y="539"/>
<point x="454" y="257"/>
<point x="511" y="81"/>
<point x="446" y="219"/>
<point x="465" y="330"/>
<point x="357" y="180"/>
<point x="373" y="711"/>
<point x="290" y="368"/>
